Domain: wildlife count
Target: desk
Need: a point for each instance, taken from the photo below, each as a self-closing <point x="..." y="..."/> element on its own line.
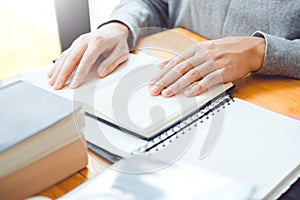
<point x="279" y="94"/>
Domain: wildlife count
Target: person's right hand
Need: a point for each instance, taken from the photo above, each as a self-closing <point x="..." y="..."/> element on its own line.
<point x="109" y="41"/>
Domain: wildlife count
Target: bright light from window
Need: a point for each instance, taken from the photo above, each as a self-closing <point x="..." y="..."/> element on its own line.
<point x="38" y="12"/>
<point x="29" y="36"/>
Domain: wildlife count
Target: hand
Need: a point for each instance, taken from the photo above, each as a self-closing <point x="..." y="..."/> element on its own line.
<point x="109" y="41"/>
<point x="208" y="63"/>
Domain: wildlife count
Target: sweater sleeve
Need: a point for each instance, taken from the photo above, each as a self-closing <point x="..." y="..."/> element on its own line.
<point x="142" y="17"/>
<point x="282" y="56"/>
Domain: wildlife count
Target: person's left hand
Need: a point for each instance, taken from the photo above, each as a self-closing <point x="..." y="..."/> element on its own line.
<point x="208" y="63"/>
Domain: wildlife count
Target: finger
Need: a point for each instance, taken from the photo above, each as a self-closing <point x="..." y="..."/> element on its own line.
<point x="206" y="83"/>
<point x="57" y="67"/>
<point x="88" y="59"/>
<point x="69" y="65"/>
<point x="59" y="62"/>
<point x="111" y="62"/>
<point x="177" y="73"/>
<point x="173" y="62"/>
<point x="172" y="76"/>
<point x="153" y="83"/>
<point x="189" y="78"/>
<point x="167" y="68"/>
<point x="50" y="73"/>
<point x="164" y="62"/>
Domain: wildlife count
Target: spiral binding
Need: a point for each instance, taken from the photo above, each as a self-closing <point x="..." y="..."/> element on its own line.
<point x="173" y="133"/>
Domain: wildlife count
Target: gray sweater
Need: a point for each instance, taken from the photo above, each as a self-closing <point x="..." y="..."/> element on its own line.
<point x="278" y="21"/>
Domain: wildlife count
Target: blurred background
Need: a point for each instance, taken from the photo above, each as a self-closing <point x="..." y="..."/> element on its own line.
<point x="33" y="32"/>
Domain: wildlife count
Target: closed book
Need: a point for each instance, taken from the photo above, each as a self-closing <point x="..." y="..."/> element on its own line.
<point x="33" y="125"/>
<point x="45" y="172"/>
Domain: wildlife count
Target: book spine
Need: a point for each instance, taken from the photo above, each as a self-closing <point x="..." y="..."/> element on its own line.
<point x="184" y="125"/>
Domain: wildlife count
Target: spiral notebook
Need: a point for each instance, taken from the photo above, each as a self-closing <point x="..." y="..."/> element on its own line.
<point x="228" y="136"/>
<point x="112" y="143"/>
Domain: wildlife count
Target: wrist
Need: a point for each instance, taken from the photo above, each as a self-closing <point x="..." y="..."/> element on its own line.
<point x="115" y="27"/>
<point x="260" y="52"/>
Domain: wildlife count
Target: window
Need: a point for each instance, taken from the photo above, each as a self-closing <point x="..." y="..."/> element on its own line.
<point x="29" y="36"/>
<point x="100" y="11"/>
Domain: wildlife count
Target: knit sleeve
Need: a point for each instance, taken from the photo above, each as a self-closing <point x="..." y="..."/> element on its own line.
<point x="142" y="17"/>
<point x="282" y="56"/>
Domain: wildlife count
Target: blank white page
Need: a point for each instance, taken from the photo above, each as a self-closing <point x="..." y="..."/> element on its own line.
<point x="254" y="144"/>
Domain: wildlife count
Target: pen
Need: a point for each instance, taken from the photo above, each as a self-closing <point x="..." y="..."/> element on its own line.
<point x="54" y="60"/>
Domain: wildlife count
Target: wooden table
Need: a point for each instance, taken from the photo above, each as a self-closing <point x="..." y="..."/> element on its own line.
<point x="278" y="94"/>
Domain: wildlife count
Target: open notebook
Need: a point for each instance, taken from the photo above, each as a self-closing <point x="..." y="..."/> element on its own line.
<point x="122" y="99"/>
<point x="237" y="140"/>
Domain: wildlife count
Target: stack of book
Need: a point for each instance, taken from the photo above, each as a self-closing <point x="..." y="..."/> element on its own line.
<point x="41" y="140"/>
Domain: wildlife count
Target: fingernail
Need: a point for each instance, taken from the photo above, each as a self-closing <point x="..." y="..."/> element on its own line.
<point x="74" y="83"/>
<point x="51" y="82"/>
<point x="151" y="83"/>
<point x="167" y="92"/>
<point x="154" y="90"/>
<point x="189" y="93"/>
<point x="102" y="72"/>
<point x="162" y="64"/>
<point x="172" y="63"/>
<point x="57" y="85"/>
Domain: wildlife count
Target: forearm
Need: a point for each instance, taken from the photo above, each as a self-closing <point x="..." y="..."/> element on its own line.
<point x="282" y="56"/>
